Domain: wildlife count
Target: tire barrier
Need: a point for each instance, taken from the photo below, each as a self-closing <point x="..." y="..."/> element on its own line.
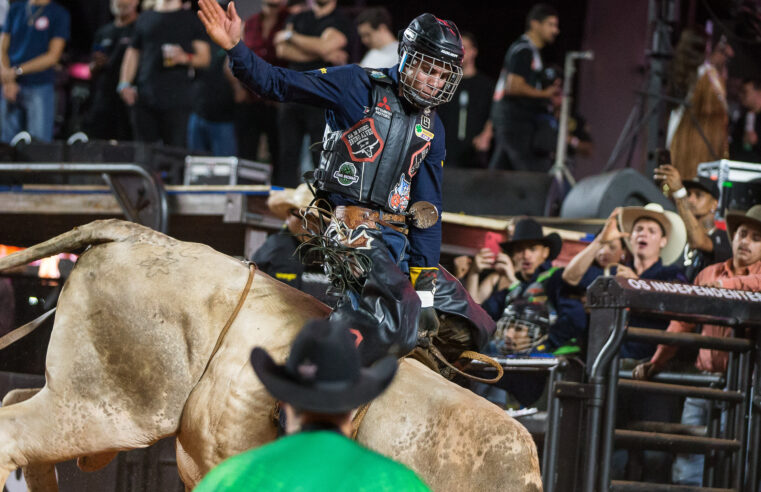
<point x="495" y="192"/>
<point x="731" y="450"/>
<point x="597" y="196"/>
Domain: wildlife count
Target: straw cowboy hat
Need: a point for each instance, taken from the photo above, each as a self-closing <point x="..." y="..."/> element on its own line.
<point x="280" y="202"/>
<point x="676" y="233"/>
<point x="530" y="230"/>
<point x="323" y="373"/>
<point x="735" y="218"/>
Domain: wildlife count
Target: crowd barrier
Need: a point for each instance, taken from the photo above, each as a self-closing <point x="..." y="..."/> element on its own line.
<point x="732" y="449"/>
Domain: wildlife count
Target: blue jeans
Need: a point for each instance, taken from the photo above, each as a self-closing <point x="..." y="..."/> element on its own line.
<point x="217" y="137"/>
<point x="688" y="468"/>
<point x="33" y="111"/>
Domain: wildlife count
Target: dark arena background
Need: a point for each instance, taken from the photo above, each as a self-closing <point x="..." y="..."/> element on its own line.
<point x="621" y="100"/>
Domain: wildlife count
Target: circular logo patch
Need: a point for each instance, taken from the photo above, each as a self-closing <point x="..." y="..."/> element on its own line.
<point x="346" y="174"/>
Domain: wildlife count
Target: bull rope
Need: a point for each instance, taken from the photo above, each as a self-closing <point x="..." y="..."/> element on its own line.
<point x="231" y="319"/>
<point x="358" y="418"/>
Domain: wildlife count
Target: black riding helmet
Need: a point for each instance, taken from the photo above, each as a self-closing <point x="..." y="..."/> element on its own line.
<point x="430" y="45"/>
<point x="532" y="317"/>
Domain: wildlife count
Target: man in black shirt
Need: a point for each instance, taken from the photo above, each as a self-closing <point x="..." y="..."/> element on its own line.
<point x="311" y="40"/>
<point x="466" y="116"/>
<point x="211" y="127"/>
<point x="696" y="201"/>
<point x="108" y="117"/>
<point x="168" y="45"/>
<point x="519" y="97"/>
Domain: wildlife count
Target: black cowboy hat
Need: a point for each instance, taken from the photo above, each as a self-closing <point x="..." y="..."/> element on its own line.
<point x="530" y="230"/>
<point x="702" y="183"/>
<point x="322" y="373"/>
<point x="735" y="218"/>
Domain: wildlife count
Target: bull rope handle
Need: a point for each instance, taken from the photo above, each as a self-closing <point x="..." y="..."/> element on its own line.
<point x="469" y="354"/>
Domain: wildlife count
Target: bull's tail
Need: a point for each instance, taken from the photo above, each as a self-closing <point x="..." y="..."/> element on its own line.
<point x="97" y="232"/>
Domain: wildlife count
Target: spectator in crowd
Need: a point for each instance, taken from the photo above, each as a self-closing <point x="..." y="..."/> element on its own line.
<point x="656" y="239"/>
<point x="256" y="116"/>
<point x="374" y="28"/>
<point x="600" y="257"/>
<point x="211" y="126"/>
<point x="529" y="304"/>
<point x="466" y="117"/>
<point x="745" y="145"/>
<point x="519" y="97"/>
<point x="536" y="280"/>
<point x="279" y="256"/>
<point x="311" y="40"/>
<point x="698" y="129"/>
<point x="108" y="118"/>
<point x="696" y="201"/>
<point x="32" y="41"/>
<point x="743" y="272"/>
<point x="296" y="6"/>
<point x="169" y="44"/>
<point x="319" y="386"/>
<point x="480" y="287"/>
<point x="461" y="266"/>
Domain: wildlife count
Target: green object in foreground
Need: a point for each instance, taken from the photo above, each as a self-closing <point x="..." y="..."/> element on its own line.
<point x="311" y="461"/>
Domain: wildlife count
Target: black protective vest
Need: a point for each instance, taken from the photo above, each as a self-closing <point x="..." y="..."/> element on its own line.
<point x="374" y="161"/>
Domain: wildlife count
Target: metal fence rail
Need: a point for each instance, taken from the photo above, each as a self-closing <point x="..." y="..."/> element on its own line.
<point x="732" y="450"/>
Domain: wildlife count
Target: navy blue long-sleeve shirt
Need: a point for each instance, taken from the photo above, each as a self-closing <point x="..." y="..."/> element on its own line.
<point x="346" y="94"/>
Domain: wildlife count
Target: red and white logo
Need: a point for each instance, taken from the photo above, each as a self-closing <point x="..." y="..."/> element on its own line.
<point x="42" y="23"/>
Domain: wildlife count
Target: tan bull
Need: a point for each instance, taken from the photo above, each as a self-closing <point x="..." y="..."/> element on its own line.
<point x="136" y="324"/>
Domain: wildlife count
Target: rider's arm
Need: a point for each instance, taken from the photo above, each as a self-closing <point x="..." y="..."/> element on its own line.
<point x="425" y="244"/>
<point x="335" y="88"/>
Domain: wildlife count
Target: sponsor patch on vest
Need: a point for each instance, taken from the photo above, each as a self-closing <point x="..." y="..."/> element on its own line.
<point x="362" y="141"/>
<point x="346" y="175"/>
<point x="400" y="195"/>
<point x="425" y="121"/>
<point x="417" y="159"/>
<point x="377" y="75"/>
<point x="383" y="112"/>
<point x="421" y="132"/>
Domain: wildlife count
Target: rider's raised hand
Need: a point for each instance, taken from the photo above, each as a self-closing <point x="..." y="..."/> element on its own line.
<point x="224" y="28"/>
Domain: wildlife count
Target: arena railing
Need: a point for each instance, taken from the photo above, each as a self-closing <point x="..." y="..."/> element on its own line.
<point x="133" y="203"/>
<point x="733" y="449"/>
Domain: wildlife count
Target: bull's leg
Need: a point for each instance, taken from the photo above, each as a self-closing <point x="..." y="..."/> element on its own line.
<point x="49" y="429"/>
<point x="39" y="478"/>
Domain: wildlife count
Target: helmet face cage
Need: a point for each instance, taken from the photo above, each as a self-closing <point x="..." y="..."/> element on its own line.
<point x="533" y="322"/>
<point x="418" y="74"/>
